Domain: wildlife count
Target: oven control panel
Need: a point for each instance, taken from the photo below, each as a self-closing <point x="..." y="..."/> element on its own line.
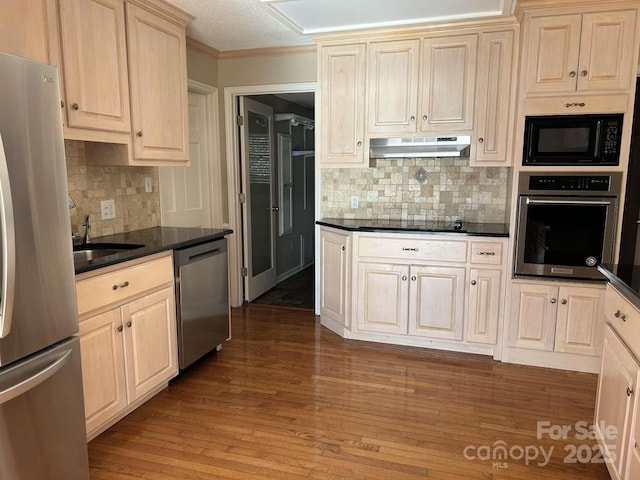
<point x="592" y="183"/>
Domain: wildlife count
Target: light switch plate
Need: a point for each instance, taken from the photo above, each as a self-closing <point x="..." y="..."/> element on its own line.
<point x="148" y="187"/>
<point x="354" y="201"/>
<point x="107" y="209"/>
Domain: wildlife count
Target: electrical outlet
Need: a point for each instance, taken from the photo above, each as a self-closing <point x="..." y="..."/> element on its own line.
<point x="354" y="201"/>
<point x="148" y="187"/>
<point x="107" y="209"/>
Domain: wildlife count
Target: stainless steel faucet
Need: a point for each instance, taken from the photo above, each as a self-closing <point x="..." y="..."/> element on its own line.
<point x="87" y="229"/>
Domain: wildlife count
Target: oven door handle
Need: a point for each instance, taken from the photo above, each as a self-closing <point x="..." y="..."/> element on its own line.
<point x="531" y="201"/>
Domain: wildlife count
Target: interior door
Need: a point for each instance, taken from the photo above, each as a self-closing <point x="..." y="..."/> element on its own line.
<point x="185" y="192"/>
<point x="257" y="165"/>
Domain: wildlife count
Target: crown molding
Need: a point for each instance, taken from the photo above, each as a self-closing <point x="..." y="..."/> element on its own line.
<point x="268" y="51"/>
<point x="202" y="47"/>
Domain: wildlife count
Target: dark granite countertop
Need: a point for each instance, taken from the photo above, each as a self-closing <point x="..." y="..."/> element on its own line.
<point x="153" y="240"/>
<point x="407" y="226"/>
<point x="626" y="279"/>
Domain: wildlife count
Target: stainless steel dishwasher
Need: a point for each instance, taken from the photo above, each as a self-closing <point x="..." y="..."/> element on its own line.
<point x="202" y="299"/>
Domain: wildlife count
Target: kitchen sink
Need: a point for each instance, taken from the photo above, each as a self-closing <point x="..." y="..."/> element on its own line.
<point x="90" y="251"/>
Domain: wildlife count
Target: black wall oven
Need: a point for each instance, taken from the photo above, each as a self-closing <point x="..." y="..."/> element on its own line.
<point x="566" y="223"/>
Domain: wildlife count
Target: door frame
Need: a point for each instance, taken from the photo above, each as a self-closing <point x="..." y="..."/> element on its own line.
<point x="232" y="140"/>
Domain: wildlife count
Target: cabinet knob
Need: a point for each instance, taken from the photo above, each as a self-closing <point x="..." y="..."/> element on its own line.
<point x="343" y="248"/>
<point x="119" y="328"/>
<point x="61" y="104"/>
<point x="75" y="106"/>
<point x="629" y="392"/>
<point x="473" y="282"/>
<point x="553" y="300"/>
<point x="359" y="144"/>
<point x="481" y="140"/>
<point x="572" y="74"/>
<point x="139" y="133"/>
<point x="129" y="324"/>
<point x="583" y="73"/>
<point x="620" y="315"/>
<point x="404" y="278"/>
<point x="413" y="278"/>
<point x="412" y="118"/>
<point x="563" y="301"/>
<point x="425" y="118"/>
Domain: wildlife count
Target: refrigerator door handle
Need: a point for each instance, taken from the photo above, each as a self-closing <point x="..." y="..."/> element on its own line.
<point x="23" y="385"/>
<point x="8" y="247"/>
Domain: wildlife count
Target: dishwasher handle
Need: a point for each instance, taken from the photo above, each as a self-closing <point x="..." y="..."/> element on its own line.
<point x="200" y="252"/>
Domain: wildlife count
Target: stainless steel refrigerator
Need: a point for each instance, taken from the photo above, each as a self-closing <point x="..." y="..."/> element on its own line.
<point x="42" y="428"/>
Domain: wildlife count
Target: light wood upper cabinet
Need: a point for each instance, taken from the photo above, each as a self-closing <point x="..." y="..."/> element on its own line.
<point x="24" y="29"/>
<point x="422" y="87"/>
<point x="158" y="83"/>
<point x="393" y="86"/>
<point x="448" y="83"/>
<point x="342" y="106"/>
<point x="582" y="52"/>
<point x="96" y="81"/>
<point x="495" y="102"/>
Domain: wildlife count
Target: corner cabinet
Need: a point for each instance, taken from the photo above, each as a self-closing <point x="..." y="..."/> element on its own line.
<point x="342" y="106"/>
<point x="129" y="102"/>
<point x="127" y="337"/>
<point x="579" y="53"/>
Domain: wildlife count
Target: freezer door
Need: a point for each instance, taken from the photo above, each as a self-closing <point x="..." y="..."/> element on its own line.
<point x="34" y="212"/>
<point x="42" y="430"/>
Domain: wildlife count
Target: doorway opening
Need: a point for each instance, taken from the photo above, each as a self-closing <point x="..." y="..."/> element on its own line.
<point x="274" y="166"/>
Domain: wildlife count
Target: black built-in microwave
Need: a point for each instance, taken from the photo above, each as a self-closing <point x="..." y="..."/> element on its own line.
<point x="589" y="140"/>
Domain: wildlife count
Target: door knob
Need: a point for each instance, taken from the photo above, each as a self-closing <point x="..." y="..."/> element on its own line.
<point x="275" y="209"/>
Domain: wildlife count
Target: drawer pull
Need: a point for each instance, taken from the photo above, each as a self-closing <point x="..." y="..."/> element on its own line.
<point x="575" y="104"/>
<point x="487" y="253"/>
<point x="620" y="315"/>
<point x="122" y="285"/>
<point x="409" y="249"/>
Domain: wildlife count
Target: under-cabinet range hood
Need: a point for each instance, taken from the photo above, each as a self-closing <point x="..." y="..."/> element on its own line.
<point x="443" y="146"/>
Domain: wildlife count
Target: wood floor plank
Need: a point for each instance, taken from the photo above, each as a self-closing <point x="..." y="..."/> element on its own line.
<point x="288" y="399"/>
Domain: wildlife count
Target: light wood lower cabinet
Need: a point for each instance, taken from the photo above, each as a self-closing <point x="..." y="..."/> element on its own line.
<point x="335" y="271"/>
<point x="128" y="345"/>
<point x="483" y="308"/>
<point x="556" y="318"/>
<point x="616" y="418"/>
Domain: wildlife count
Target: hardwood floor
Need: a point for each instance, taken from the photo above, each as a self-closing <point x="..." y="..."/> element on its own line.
<point x="288" y="399"/>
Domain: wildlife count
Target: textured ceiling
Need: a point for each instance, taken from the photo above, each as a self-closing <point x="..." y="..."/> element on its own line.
<point x="246" y="24"/>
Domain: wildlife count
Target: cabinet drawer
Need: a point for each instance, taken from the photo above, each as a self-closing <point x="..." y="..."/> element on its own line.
<point x="119" y="285"/>
<point x="486" y="253"/>
<point x="627" y="321"/>
<point x="576" y="105"/>
<point x="408" y="249"/>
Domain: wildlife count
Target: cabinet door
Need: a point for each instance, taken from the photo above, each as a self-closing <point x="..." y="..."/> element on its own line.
<point x="484" y="288"/>
<point x="494" y="101"/>
<point x="606" y="51"/>
<point x="632" y="469"/>
<point x="616" y="387"/>
<point x="448" y="78"/>
<point x="103" y="373"/>
<point x="158" y="73"/>
<point x="150" y="342"/>
<point x="533" y="316"/>
<point x="579" y="322"/>
<point x="23" y="29"/>
<point x="334" y="256"/>
<point x="95" y="64"/>
<point x="342" y="105"/>
<point x="552" y="47"/>
<point x="436" y="302"/>
<point x="393" y="86"/>
<point x="383" y="297"/>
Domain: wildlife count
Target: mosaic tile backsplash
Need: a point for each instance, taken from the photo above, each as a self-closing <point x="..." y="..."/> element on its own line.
<point x="451" y="190"/>
<point x="89" y="184"/>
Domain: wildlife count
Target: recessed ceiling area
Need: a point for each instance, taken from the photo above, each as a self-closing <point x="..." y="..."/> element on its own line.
<point x="322" y="16"/>
<point x="228" y="25"/>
